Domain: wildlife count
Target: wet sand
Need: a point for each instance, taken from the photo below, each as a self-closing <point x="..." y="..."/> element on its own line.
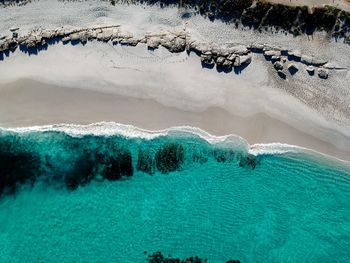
<point x="28" y="103"/>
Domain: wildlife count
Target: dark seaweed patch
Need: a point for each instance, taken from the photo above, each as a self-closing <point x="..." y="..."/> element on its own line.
<point x="145" y="162"/>
<point x="16" y="167"/>
<point x="158" y="257"/>
<point x="118" y="166"/>
<point x="169" y="158"/>
<point x="249" y="161"/>
<point x="224" y="155"/>
<point x="83" y="171"/>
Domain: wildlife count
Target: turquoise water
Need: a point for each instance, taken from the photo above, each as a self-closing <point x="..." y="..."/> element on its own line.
<point x="113" y="199"/>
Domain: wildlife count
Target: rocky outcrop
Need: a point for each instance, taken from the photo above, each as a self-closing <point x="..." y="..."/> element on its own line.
<point x="224" y="56"/>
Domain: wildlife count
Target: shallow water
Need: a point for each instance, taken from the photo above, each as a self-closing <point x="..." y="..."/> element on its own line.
<point x="213" y="201"/>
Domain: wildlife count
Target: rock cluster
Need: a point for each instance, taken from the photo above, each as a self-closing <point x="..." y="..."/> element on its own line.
<point x="158" y="257"/>
<point x="224" y="56"/>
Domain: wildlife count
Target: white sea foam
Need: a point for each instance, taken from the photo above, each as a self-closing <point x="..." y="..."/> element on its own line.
<point x="130" y="131"/>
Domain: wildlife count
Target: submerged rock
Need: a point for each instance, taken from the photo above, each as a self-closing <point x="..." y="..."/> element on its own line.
<point x="170" y="158"/>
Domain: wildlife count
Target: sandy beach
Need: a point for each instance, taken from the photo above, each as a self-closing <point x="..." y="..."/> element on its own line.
<point x="158" y="89"/>
<point x="27" y="103"/>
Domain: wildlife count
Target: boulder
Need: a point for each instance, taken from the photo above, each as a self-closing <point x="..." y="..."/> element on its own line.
<point x="207" y="61"/>
<point x="178" y="45"/>
<point x="237" y="61"/>
<point x="256" y="47"/>
<point x="247" y="59"/>
<point x="309" y="60"/>
<point x="281" y="74"/>
<point x="294" y="53"/>
<point x="129" y="42"/>
<point x="125" y="34"/>
<point x="318" y="61"/>
<point x="220" y="61"/>
<point x="65" y="39"/>
<point x="227" y="63"/>
<point x="310" y="70"/>
<point x="323" y="73"/>
<point x="278" y="65"/>
<point x="238" y="50"/>
<point x="200" y="47"/>
<point x="270" y="53"/>
<point x="75" y="37"/>
<point x="153" y="42"/>
<point x="31" y="41"/>
<point x="292" y="68"/>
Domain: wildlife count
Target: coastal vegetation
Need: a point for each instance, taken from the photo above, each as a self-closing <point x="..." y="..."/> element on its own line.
<point x="262" y="15"/>
<point x="57" y="158"/>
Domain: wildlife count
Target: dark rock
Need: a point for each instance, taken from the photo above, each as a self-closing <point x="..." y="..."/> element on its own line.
<point x="323" y="73"/>
<point x="278" y="65"/>
<point x="293" y="69"/>
<point x="310" y="70"/>
<point x="169" y="158"/>
<point x="281" y="74"/>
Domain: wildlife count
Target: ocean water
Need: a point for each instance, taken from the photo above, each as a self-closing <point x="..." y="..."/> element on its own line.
<point x="114" y="198"/>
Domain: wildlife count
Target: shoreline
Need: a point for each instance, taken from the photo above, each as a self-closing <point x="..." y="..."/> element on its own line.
<point x="100" y="81"/>
<point x="66" y="105"/>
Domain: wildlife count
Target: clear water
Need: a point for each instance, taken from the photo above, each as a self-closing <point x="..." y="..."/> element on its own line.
<point x="290" y="208"/>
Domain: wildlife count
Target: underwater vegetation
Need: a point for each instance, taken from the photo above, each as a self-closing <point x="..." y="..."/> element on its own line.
<point x="76" y="161"/>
